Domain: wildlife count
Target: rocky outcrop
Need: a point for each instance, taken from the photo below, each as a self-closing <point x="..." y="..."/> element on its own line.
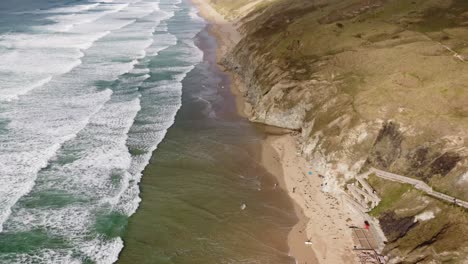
<point x="395" y="227"/>
<point x="387" y="146"/>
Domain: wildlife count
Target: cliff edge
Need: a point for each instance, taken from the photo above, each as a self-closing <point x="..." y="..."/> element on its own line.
<point x="368" y="83"/>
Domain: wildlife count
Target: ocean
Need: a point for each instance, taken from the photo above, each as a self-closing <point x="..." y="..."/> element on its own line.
<point x="88" y="90"/>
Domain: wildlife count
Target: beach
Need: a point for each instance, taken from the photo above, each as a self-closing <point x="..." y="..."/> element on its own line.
<point x="322" y="234"/>
<point x="324" y="220"/>
<point x="233" y="131"/>
<point x="205" y="197"/>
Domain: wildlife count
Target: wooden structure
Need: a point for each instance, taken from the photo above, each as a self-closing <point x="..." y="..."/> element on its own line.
<point x="366" y="247"/>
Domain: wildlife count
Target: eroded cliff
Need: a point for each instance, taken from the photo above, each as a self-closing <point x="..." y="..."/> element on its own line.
<point x="369" y="83"/>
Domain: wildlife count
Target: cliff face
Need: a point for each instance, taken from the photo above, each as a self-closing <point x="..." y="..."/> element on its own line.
<point x="368" y="83"/>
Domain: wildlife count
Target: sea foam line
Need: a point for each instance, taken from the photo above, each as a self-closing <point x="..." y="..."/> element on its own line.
<point x="22" y="182"/>
<point x="28" y="182"/>
<point x="40" y="44"/>
<point x="99" y="249"/>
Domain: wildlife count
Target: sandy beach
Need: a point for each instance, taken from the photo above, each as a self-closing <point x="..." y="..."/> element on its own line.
<point x="324" y="219"/>
<point x="322" y="234"/>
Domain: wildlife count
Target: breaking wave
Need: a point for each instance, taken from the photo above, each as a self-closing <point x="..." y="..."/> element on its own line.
<point x="85" y="98"/>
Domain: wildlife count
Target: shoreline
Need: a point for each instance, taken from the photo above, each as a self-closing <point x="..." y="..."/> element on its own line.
<point x="204" y="205"/>
<point x="322" y="219"/>
<point x="273" y="162"/>
<point x="227" y="36"/>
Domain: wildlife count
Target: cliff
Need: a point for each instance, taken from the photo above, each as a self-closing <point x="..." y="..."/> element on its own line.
<point x="368" y="83"/>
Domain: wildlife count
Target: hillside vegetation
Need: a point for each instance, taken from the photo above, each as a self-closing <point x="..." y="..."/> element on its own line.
<point x="381" y="83"/>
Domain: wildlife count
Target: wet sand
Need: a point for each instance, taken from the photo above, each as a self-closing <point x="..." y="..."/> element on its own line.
<point x="202" y="173"/>
<point x="323" y="218"/>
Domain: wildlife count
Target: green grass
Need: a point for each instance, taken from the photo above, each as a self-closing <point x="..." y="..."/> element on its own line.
<point x="443" y="233"/>
<point x="384" y="66"/>
<point x="350" y="181"/>
<point x="231" y="8"/>
<point x="390" y="192"/>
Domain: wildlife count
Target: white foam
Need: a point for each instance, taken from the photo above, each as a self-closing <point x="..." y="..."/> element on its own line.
<point x="67" y="9"/>
<point x="25" y="54"/>
<point x="51" y="41"/>
<point x="162" y="42"/>
<point x="66" y="114"/>
<point x="105" y="252"/>
<point x="38" y="127"/>
<point x="31" y="61"/>
<point x="34" y="137"/>
<point x="194" y="15"/>
<point x="44" y="256"/>
<point x="70" y="19"/>
<point x="11" y="90"/>
<point x="148" y="136"/>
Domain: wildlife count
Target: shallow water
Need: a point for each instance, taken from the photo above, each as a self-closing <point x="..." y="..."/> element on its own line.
<point x="198" y="178"/>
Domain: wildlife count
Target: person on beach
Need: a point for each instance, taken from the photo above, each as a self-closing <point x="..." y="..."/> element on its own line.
<point x="366" y="225"/>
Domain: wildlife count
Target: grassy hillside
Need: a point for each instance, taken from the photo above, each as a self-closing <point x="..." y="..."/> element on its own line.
<point x="379" y="83"/>
<point x="419" y="227"/>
